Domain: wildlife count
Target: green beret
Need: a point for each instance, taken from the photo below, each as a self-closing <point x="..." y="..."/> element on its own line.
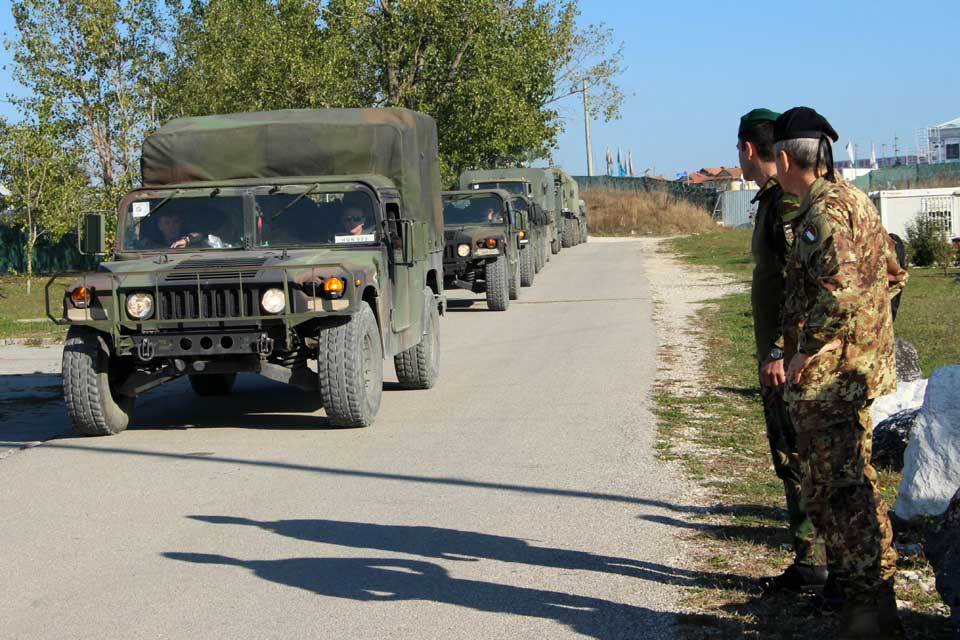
<point x="755" y="116"/>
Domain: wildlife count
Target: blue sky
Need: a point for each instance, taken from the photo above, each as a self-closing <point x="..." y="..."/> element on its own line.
<point x="875" y="69"/>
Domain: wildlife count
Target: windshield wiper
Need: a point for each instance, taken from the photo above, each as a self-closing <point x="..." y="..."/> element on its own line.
<point x="154" y="210"/>
<point x="295" y="201"/>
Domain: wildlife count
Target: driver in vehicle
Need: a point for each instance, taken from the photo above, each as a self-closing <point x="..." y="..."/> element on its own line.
<point x="170" y="225"/>
<point x="355" y="218"/>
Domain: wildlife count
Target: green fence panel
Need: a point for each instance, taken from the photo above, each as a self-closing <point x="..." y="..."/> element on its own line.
<point x="48" y="257"/>
<point x="699" y="196"/>
<point x="914" y="176"/>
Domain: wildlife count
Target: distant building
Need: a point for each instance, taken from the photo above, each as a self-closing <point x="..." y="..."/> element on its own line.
<point x="939" y="144"/>
<point x="718" y="178"/>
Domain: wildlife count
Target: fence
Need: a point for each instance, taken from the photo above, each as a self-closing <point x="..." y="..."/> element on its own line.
<point x="736" y="208"/>
<point x="699" y="196"/>
<point x="910" y="177"/>
<point x="48" y="257"/>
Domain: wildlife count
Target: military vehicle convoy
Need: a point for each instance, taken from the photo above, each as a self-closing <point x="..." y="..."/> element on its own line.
<point x="538" y="186"/>
<point x="258" y="242"/>
<point x="573" y="210"/>
<point x="488" y="248"/>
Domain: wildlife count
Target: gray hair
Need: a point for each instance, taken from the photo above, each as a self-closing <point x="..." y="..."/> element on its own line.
<point x="807" y="153"/>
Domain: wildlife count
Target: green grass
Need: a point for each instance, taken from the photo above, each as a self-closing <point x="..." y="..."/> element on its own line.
<point x="15" y="305"/>
<point x="719" y="439"/>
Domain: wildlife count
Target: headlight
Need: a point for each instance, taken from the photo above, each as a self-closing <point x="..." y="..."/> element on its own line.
<point x="463" y="250"/>
<point x="273" y="301"/>
<point x="139" y="306"/>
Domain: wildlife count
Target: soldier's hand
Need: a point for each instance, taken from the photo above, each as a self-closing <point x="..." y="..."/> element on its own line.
<point x="798" y="363"/>
<point x="771" y="372"/>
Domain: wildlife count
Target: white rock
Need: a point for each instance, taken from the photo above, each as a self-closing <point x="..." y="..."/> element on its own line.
<point x="931" y="469"/>
<point x="909" y="395"/>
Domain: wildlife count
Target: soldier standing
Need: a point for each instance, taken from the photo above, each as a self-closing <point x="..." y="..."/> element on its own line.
<point x="770" y="245"/>
<point x="837" y="319"/>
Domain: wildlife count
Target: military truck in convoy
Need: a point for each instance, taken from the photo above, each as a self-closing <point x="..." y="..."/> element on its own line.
<point x="488" y="246"/>
<point x="257" y="243"/>
<point x="537" y="185"/>
<point x="574" y="226"/>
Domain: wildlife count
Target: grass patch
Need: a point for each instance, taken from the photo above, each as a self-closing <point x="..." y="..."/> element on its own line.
<point x="16" y="304"/>
<point x="719" y="439"/>
<point x="612" y="212"/>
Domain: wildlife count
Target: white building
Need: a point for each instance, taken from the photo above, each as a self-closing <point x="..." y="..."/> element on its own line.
<point x="942" y="143"/>
<point x="900" y="208"/>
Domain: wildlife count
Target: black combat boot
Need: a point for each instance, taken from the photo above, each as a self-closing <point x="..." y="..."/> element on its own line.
<point x="871" y="616"/>
<point x="799" y="578"/>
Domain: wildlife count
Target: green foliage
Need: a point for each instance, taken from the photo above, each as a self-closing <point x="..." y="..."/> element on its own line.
<point x="96" y="62"/>
<point x="43" y="175"/>
<point x="927" y="244"/>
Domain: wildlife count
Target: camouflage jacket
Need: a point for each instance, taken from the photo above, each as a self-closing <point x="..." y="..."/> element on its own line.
<point x="841" y="275"/>
<point x="770" y="247"/>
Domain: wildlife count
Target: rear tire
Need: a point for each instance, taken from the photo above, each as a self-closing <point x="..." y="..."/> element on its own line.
<point x="419" y="367"/>
<point x="89" y="385"/>
<point x="498" y="286"/>
<point x="566" y="234"/>
<point x="528" y="267"/>
<point x="350" y="369"/>
<point x="214" y="384"/>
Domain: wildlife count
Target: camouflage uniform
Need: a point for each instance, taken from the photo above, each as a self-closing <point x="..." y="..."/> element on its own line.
<point x="837" y="288"/>
<point x="770" y="245"/>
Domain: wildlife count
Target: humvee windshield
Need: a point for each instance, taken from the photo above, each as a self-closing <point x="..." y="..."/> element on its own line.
<point x="521" y="188"/>
<point x="482" y="208"/>
<point x="268" y="216"/>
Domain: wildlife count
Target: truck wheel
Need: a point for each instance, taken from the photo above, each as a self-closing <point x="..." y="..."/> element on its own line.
<point x="214" y="384"/>
<point x="90" y="377"/>
<point x="419" y="367"/>
<point x="547" y="250"/>
<point x="537" y="257"/>
<point x="350" y="368"/>
<point x="576" y="233"/>
<point x="514" y="279"/>
<point x="583" y="233"/>
<point x="528" y="266"/>
<point x="566" y="234"/>
<point x="498" y="286"/>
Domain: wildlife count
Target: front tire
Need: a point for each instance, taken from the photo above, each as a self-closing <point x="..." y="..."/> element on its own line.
<point x="419" y="367"/>
<point x="350" y="368"/>
<point x="528" y="266"/>
<point x="90" y="379"/>
<point x="214" y="384"/>
<point x="496" y="273"/>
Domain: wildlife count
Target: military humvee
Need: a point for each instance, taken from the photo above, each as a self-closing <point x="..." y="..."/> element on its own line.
<point x="259" y="242"/>
<point x="574" y="226"/>
<point x="487" y="244"/>
<point x="535" y="184"/>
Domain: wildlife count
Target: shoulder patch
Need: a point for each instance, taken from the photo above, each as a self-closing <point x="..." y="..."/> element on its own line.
<point x="810" y="234"/>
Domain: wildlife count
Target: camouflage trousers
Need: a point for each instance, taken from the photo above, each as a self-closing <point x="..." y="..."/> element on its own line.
<point x="808" y="547"/>
<point x="834" y="441"/>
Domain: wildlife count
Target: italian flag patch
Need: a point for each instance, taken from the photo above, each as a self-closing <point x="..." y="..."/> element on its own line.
<point x="810" y="233"/>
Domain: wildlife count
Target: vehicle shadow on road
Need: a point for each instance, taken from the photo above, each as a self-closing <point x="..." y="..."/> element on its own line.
<point x="31" y="408"/>
<point x="469" y="546"/>
<point x="468" y="306"/>
<point x="392" y="580"/>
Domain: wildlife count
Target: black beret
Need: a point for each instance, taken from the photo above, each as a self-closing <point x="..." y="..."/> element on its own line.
<point x="802" y="122"/>
<point x="753" y="117"/>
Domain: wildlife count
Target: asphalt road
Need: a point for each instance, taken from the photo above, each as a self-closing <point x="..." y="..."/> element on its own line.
<point x="520" y="498"/>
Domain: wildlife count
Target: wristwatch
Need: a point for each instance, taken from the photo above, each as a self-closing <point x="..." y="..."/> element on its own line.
<point x="776" y="353"/>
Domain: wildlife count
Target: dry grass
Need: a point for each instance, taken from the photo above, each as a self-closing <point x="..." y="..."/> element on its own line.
<point x="624" y="213"/>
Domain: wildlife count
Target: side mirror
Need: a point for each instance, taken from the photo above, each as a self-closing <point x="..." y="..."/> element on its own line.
<point x="91" y="234"/>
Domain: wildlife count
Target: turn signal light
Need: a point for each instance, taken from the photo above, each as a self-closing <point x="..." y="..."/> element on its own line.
<point x="491" y="243"/>
<point x="522" y="234"/>
<point x="81" y="297"/>
<point x="333" y="287"/>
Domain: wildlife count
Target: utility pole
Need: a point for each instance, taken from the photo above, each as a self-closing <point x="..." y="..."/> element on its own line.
<point x="586" y="127"/>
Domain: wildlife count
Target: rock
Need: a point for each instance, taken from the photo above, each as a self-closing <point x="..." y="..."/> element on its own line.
<point x="931" y="469"/>
<point x="942" y="548"/>
<point x="890" y="439"/>
<point x="908" y="361"/>
<point x="909" y="395"/>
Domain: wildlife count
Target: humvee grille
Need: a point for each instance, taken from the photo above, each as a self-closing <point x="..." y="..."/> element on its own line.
<point x="190" y="304"/>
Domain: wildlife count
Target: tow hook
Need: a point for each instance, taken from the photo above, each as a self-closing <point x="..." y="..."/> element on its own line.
<point x="145" y="350"/>
<point x="264" y="345"/>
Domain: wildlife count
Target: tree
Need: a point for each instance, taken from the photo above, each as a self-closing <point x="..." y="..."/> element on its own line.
<point x="96" y="62"/>
<point x="45" y="180"/>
